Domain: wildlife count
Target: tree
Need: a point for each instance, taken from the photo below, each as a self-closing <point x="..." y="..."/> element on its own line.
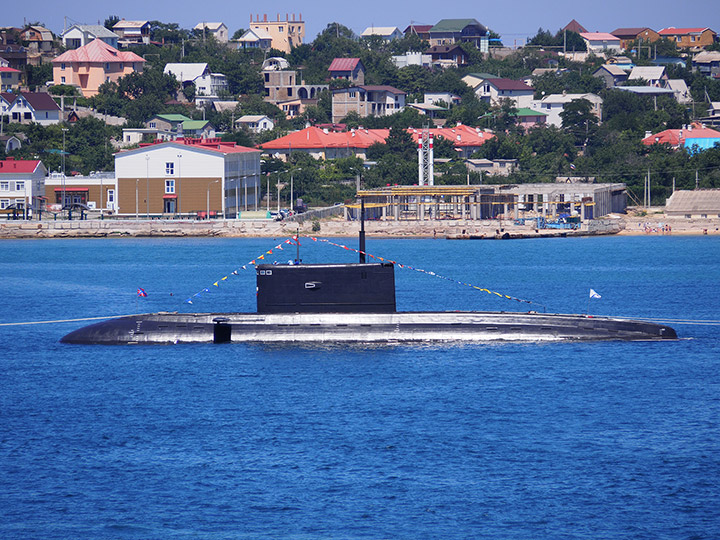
<point x="111" y="21"/>
<point x="578" y="119"/>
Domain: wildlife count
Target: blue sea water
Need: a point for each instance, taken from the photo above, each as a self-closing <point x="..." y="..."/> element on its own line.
<point x="514" y="441"/>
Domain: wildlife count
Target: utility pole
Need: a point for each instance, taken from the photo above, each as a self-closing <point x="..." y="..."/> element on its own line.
<point x="697" y="181"/>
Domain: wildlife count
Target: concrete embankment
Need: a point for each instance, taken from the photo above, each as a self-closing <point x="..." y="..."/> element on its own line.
<point x="337" y="227"/>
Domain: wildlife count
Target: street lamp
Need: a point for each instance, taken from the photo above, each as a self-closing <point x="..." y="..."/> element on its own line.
<point x="62" y="205"/>
<point x="292" y="172"/>
<point x="147" y="185"/>
<point x="207" y="216"/>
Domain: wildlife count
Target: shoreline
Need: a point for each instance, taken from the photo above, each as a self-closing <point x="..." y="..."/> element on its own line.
<point x="656" y="225"/>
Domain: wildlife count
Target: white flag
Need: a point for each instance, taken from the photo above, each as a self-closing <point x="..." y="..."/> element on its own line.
<point x="593" y="294"/>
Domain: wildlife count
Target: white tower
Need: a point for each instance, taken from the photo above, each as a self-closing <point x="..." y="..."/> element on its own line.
<point x="425" y="159"/>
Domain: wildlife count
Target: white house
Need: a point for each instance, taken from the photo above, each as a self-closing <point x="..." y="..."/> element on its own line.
<point x="496" y="89"/>
<point x="27" y="107"/>
<point x="79" y="35"/>
<point x="448" y="98"/>
<point x="255" y="123"/>
<point x="654" y="75"/>
<point x="206" y="84"/>
<point x="554" y="104"/>
<point x="600" y="42"/>
<point x="186" y="176"/>
<point x="388" y="33"/>
<point x="22" y="184"/>
<point x="216" y="29"/>
<point x="412" y="59"/>
<point x="255" y="39"/>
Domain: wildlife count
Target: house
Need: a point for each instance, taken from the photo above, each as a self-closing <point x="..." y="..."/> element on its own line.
<point x="450" y="31"/>
<point x="685" y="38"/>
<point x="654" y="75"/>
<point x="15" y="55"/>
<point x="694" y="137"/>
<point x="388" y="33"/>
<point x="10" y="143"/>
<point x="447" y="55"/>
<point x="255" y="123"/>
<point x="707" y="63"/>
<point x="611" y="75"/>
<point x="713" y="114"/>
<point x="554" y="104"/>
<point x="529" y="118"/>
<point x="218" y="30"/>
<point x="285" y="34"/>
<point x="496" y="89"/>
<point x="283" y="86"/>
<point x="255" y="39"/>
<point x="420" y="30"/>
<point x="89" y="66"/>
<point x="651" y="91"/>
<point x="635" y="36"/>
<point x="351" y="69"/>
<point x="167" y="122"/>
<point x="39" y="39"/>
<point x="181" y="176"/>
<point x="411" y="59"/>
<point x="427" y="109"/>
<point x="21" y="185"/>
<point x="574" y="26"/>
<point x="442" y="98"/>
<point x="132" y="32"/>
<point x="9" y="79"/>
<point x="366" y="101"/>
<point x="81" y="35"/>
<point x="623" y="62"/>
<point x="197" y="129"/>
<point x="327" y="144"/>
<point x="207" y="85"/>
<point x="28" y="107"/>
<point x="680" y="89"/>
<point x="98" y="190"/>
<point x="492" y="167"/>
<point x="600" y="42"/>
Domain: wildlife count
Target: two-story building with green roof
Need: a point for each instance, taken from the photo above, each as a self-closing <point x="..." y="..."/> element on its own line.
<point x="449" y="31"/>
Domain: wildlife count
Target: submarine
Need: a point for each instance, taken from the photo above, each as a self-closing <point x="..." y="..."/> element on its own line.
<point x="354" y="303"/>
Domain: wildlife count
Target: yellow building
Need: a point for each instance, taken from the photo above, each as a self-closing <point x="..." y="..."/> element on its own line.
<point x="285" y="34"/>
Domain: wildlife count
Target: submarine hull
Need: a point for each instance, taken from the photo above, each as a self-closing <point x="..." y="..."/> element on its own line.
<point x="163" y="327"/>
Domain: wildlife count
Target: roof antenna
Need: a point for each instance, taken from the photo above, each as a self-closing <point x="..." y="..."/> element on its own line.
<point x="362" y="231"/>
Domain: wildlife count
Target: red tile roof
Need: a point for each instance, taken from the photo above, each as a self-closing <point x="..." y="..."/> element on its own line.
<point x="13" y="166"/>
<point x="216" y="145"/>
<point x="97" y="51"/>
<point x="681" y="31"/>
<point x="9" y="70"/>
<point x="314" y="138"/>
<point x="676" y="137"/>
<point x="418" y="28"/>
<point x="344" y="64"/>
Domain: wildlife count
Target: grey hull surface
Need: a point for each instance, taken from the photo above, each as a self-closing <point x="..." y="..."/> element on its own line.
<point x="159" y="328"/>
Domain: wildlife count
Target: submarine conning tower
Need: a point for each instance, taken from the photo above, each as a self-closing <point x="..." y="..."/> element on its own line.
<point x="326" y="288"/>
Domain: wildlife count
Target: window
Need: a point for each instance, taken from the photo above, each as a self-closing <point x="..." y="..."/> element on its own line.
<point x="110" y="196"/>
<point x="170" y="169"/>
<point x="107" y="66"/>
<point x="289" y="92"/>
<point x="280" y="29"/>
<point x="19" y="186"/>
<point x="351" y="94"/>
<point x="4" y="203"/>
<point x="4" y="186"/>
<point x="62" y="66"/>
<point x="169" y="187"/>
<point x="152" y="124"/>
<point x="62" y="80"/>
